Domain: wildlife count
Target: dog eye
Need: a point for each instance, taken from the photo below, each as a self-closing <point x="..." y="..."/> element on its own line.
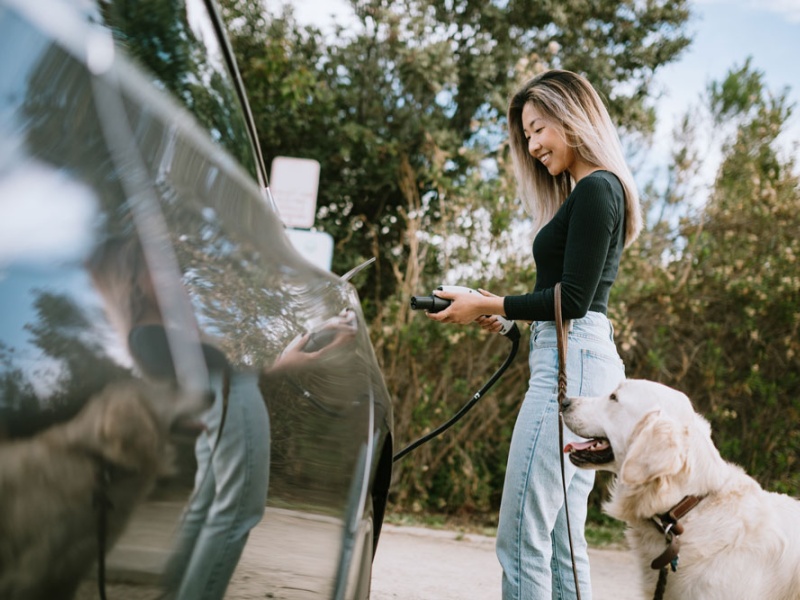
<point x="613" y="398"/>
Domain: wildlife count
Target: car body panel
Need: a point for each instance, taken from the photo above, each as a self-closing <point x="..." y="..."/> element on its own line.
<point x="95" y="145"/>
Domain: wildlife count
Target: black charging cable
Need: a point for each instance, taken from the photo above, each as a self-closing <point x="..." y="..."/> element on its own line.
<point x="513" y="335"/>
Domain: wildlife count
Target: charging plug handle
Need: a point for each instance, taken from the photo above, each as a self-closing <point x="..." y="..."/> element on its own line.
<point x="507" y="325"/>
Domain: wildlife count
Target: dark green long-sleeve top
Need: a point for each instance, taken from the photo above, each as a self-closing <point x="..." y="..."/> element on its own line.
<point x="580" y="247"/>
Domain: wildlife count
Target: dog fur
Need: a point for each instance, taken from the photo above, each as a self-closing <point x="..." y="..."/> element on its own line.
<point x="49" y="482"/>
<point x="739" y="542"/>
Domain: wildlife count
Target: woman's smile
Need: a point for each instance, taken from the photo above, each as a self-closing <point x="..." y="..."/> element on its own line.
<point x="547" y="143"/>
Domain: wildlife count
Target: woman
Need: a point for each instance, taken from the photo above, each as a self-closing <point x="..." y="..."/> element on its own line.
<point x="572" y="176"/>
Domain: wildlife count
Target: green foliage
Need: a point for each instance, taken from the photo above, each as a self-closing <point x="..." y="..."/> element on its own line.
<point x="706" y="301"/>
<point x="721" y="320"/>
<point x="159" y="35"/>
<point x="405" y="112"/>
<point x="602" y="530"/>
<point x="403" y="106"/>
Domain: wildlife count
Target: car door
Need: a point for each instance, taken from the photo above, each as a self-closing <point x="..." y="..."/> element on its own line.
<point x="125" y="121"/>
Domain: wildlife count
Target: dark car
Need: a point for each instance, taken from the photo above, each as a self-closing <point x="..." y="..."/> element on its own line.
<point x="141" y="253"/>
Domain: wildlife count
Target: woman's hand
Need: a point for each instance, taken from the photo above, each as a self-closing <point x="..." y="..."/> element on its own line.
<point x="489" y="323"/>
<point x="304" y="351"/>
<point x="466" y="307"/>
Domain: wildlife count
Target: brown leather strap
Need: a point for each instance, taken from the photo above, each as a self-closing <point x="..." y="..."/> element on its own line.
<point x="679" y="511"/>
<point x="669" y="524"/>
<point x="562" y="327"/>
<point x="661" y="584"/>
<point x="561" y="335"/>
<point x="670" y="553"/>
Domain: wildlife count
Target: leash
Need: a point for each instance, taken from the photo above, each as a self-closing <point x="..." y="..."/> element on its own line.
<point x="561" y="335"/>
<point x="669" y="524"/>
<point x="102" y="503"/>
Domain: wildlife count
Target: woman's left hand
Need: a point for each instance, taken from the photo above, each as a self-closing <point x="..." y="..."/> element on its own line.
<point x="465" y="307"/>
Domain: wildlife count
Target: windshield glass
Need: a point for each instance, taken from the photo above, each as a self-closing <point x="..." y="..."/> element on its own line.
<point x="177" y="44"/>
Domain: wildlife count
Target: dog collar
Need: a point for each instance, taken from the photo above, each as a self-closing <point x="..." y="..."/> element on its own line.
<point x="669" y="524"/>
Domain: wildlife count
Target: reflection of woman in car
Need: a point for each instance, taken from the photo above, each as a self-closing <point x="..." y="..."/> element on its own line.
<point x="232" y="469"/>
<point x="232" y="449"/>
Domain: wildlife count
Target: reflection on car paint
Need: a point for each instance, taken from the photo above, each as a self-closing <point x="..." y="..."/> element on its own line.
<point x="97" y="145"/>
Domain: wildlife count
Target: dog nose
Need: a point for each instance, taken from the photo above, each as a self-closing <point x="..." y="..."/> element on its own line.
<point x="565" y="404"/>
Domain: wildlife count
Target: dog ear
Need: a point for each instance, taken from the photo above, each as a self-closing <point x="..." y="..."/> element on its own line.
<point x="129" y="435"/>
<point x="656" y="450"/>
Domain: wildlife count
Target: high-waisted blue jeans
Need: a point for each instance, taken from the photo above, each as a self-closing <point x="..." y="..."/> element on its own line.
<point x="532" y="541"/>
<point x="230" y="493"/>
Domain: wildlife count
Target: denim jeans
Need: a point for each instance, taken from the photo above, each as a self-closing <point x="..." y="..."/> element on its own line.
<point x="532" y="541"/>
<point x="229" y="496"/>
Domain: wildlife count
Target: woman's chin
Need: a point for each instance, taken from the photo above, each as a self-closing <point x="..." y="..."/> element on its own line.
<point x="554" y="171"/>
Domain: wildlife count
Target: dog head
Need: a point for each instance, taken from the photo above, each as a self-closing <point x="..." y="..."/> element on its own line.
<point x="128" y="423"/>
<point x="639" y="431"/>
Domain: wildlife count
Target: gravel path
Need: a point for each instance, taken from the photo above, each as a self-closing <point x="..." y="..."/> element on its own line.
<point x="412" y="563"/>
<point x="415" y="563"/>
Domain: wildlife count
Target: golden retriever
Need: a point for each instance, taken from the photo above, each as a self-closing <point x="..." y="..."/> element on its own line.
<point x="738" y="542"/>
<point x="113" y="450"/>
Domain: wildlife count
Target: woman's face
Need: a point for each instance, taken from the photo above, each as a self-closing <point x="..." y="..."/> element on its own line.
<point x="547" y="143"/>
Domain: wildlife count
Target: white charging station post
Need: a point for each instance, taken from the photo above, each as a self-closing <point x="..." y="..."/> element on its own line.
<point x="294" y="183"/>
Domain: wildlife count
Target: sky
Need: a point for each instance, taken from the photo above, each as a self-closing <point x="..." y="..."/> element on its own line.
<point x="724" y="32"/>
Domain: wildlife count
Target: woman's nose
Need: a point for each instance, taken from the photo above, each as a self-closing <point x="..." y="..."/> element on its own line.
<point x="533" y="146"/>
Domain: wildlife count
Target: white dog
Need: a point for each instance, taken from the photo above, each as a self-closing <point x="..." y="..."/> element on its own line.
<point x="737" y="542"/>
<point x="54" y="483"/>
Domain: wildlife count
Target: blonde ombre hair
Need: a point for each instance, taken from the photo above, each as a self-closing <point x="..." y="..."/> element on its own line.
<point x="569" y="100"/>
<point x="117" y="268"/>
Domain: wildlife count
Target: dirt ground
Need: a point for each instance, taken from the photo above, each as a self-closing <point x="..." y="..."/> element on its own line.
<point x="412" y="563"/>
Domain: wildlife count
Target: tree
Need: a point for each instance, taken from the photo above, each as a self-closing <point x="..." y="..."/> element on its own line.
<point x="404" y="107"/>
<point x="721" y="320"/>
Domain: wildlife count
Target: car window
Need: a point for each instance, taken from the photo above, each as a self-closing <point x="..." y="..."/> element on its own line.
<point x="177" y="44"/>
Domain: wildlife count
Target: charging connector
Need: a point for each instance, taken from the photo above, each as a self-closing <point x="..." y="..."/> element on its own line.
<point x="435" y="304"/>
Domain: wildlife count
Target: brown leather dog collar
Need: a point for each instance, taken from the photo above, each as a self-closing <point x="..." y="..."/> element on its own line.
<point x="669" y="524"/>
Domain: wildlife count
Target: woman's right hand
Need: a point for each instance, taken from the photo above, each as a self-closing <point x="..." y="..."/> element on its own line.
<point x="489" y="323"/>
<point x="468" y="307"/>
